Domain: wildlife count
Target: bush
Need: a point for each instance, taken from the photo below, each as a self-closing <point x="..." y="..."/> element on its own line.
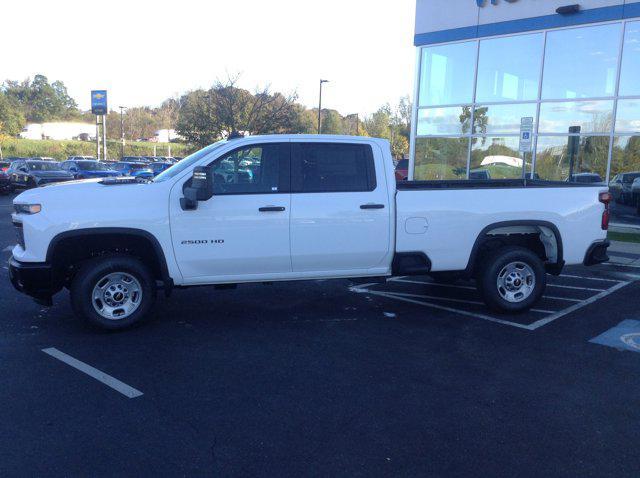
<point x="62" y="149"/>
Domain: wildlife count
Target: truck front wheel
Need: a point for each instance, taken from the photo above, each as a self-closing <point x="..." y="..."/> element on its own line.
<point x="113" y="292"/>
<point x="511" y="279"/>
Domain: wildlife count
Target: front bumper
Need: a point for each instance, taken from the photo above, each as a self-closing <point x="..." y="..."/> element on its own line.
<point x="33" y="279"/>
<point x="597" y="253"/>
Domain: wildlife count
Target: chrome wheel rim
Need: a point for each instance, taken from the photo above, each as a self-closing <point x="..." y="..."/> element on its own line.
<point x="516" y="282"/>
<point x="116" y="296"/>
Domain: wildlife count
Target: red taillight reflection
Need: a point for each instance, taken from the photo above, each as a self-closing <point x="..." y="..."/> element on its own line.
<point x="605" y="198"/>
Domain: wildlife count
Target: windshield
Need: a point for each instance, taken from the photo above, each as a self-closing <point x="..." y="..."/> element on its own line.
<point x="629" y="178"/>
<point x="43" y="166"/>
<point x="92" y="166"/>
<point x="187" y="162"/>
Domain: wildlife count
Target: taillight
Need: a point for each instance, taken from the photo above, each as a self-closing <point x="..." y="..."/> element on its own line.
<point x="605" y="198"/>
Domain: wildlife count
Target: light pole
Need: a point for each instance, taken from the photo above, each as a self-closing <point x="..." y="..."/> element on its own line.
<point x="122" y="108"/>
<point x="320" y="107"/>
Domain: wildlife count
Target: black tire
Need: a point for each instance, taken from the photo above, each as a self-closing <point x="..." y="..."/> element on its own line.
<point x="96" y="269"/>
<point x="493" y="264"/>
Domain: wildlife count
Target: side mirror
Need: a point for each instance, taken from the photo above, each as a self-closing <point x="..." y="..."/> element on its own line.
<point x="201" y="188"/>
<point x="73" y="169"/>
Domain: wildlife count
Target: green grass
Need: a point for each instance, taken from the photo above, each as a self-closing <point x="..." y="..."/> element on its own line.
<point x="624" y="237"/>
<point x="62" y="149"/>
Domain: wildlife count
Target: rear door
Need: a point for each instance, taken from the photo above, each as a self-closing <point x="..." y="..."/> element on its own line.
<point x="340" y="210"/>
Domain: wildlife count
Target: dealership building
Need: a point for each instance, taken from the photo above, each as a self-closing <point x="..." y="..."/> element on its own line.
<point x="487" y="67"/>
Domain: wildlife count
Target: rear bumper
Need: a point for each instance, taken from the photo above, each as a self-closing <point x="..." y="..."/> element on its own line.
<point x="597" y="253"/>
<point x="33" y="279"/>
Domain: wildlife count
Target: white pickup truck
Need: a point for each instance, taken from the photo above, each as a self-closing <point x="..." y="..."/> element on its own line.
<point x="295" y="207"/>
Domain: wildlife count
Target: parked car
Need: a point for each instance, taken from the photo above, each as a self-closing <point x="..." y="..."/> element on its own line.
<point x="157" y="168"/>
<point x="134" y="159"/>
<point x="585" y="178"/>
<point x="5" y="179"/>
<point x="620" y="186"/>
<point x="635" y="194"/>
<point x="402" y="170"/>
<point x="32" y="173"/>
<point x="321" y="207"/>
<point x="480" y="174"/>
<point x="4" y="165"/>
<point x="88" y="168"/>
<point x="134" y="168"/>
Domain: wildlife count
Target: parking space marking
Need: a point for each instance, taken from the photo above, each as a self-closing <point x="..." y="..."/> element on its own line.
<point x="106" y="379"/>
<point x="592" y="289"/>
<point x="7" y="249"/>
<point x="621" y="265"/>
<point x="461" y="301"/>
<point x="453" y="286"/>
<point x="445" y="308"/>
<point x="539" y="323"/>
<point x="588" y="278"/>
<point x="456" y="286"/>
<point x="551" y="315"/>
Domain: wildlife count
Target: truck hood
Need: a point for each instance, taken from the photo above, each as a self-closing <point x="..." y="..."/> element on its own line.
<point x="88" y="194"/>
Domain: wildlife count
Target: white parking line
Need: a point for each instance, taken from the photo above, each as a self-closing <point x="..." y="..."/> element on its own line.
<point x="108" y="380"/>
<point x="448" y="309"/>
<point x="7" y="249"/>
<point x="453" y="286"/>
<point x="593" y="289"/>
<point x="461" y="301"/>
<point x="573" y="308"/>
<point x="589" y="278"/>
<point x="553" y="297"/>
<point x="620" y="265"/>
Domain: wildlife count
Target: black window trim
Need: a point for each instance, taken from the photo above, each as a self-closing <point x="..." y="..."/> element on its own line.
<point x="372" y="180"/>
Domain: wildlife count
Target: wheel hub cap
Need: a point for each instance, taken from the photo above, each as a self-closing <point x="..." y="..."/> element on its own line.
<point x="117" y="295"/>
<point x="516" y="281"/>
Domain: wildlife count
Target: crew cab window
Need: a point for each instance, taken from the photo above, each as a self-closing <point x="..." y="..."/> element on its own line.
<point x="332" y="167"/>
<point x="255" y="169"/>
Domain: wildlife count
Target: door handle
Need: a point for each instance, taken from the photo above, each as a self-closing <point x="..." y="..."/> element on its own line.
<point x="271" y="209"/>
<point x="372" y="206"/>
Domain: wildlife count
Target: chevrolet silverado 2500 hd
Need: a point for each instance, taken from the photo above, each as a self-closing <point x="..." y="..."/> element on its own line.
<point x="294" y="207"/>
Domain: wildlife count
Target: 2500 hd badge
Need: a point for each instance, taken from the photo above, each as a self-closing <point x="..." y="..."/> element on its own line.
<point x="202" y="241"/>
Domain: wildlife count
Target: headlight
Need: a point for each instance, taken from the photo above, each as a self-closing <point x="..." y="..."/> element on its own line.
<point x="27" y="208"/>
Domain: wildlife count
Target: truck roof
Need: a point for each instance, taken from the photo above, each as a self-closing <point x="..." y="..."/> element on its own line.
<point x="314" y="137"/>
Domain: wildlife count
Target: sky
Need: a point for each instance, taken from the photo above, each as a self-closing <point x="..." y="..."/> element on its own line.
<point x="143" y="51"/>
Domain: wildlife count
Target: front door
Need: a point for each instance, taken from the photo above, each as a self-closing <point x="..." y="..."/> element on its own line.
<point x="242" y="232"/>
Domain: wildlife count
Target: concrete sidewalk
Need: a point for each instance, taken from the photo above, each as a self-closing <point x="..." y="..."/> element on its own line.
<point x="624" y="253"/>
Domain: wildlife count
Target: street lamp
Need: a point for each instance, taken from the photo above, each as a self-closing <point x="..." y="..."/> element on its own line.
<point x="122" y="108"/>
<point x="320" y="107"/>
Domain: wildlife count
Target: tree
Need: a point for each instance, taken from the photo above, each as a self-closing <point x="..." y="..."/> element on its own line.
<point x="40" y="101"/>
<point x="206" y="116"/>
<point x="11" y="118"/>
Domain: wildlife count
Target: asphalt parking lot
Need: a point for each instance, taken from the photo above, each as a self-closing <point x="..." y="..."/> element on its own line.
<point x="327" y="378"/>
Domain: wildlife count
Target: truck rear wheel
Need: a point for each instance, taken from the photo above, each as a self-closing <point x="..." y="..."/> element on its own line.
<point x="511" y="279"/>
<point x="113" y="292"/>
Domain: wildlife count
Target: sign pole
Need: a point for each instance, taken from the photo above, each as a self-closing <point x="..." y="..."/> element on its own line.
<point x="97" y="138"/>
<point x="104" y="136"/>
<point x="100" y="109"/>
<point x="526" y="142"/>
